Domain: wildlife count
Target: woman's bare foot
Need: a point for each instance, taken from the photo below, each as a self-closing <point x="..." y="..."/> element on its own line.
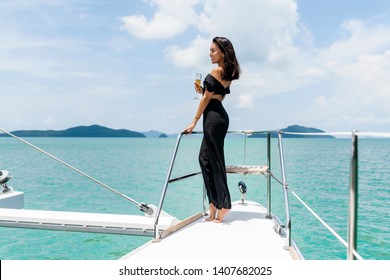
<point x="213" y="212"/>
<point x="221" y="214"/>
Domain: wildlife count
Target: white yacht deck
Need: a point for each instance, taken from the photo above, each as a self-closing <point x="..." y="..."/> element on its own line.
<point x="246" y="233"/>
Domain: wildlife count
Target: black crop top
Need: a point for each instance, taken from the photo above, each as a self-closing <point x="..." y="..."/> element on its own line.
<point x="211" y="84"/>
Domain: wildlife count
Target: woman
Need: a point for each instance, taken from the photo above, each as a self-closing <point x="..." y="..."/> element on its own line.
<point x="215" y="126"/>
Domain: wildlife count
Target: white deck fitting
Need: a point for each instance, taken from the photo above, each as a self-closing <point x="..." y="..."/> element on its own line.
<point x="245" y="234"/>
<point x="83" y="222"/>
<point x="11" y="199"/>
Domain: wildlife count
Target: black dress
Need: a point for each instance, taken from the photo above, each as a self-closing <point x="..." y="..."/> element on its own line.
<point x="211" y="155"/>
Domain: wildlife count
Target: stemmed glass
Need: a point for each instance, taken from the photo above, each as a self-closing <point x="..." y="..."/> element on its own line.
<point x="198" y="79"/>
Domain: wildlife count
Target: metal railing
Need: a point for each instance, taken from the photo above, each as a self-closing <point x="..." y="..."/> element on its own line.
<point x="169" y="180"/>
<point x="351" y="244"/>
<point x="353" y="200"/>
<point x="285" y="187"/>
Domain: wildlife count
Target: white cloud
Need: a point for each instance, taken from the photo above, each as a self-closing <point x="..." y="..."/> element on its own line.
<point x="259" y="30"/>
<point x="320" y="101"/>
<point x="360" y="39"/>
<point x="195" y="56"/>
<point x="171" y="18"/>
<point x="245" y="100"/>
<point x="358" y="73"/>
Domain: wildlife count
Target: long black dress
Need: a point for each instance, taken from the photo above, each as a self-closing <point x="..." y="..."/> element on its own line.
<point x="211" y="155"/>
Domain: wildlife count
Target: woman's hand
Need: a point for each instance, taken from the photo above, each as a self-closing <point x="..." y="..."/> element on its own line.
<point x="190" y="128"/>
<point x="202" y="105"/>
<point x="198" y="88"/>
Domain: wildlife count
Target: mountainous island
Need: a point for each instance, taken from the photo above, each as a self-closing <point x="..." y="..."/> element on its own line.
<point x="80" y="131"/>
<point x="295" y="129"/>
<point x="101" y="131"/>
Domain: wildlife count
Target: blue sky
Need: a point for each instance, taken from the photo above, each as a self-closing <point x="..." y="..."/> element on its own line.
<point x="131" y="64"/>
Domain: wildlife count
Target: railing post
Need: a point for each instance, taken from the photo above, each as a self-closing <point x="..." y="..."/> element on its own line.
<point x="269" y="176"/>
<point x="285" y="188"/>
<point x="166" y="186"/>
<point x="353" y="200"/>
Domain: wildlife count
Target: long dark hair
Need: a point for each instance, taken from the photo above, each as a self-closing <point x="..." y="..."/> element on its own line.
<point x="231" y="67"/>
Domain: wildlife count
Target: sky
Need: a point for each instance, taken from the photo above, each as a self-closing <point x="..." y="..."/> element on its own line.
<point x="131" y="64"/>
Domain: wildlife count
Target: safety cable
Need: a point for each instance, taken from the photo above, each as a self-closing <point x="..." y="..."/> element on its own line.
<point x="324" y="223"/>
<point x="142" y="206"/>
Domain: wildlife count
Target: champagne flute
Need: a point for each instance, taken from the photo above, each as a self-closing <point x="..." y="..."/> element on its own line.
<point x="198" y="79"/>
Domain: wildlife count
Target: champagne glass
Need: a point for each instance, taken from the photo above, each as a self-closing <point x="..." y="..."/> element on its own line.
<point x="198" y="79"/>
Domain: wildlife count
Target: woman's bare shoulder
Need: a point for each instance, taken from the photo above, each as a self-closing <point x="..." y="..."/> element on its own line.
<point x="217" y="73"/>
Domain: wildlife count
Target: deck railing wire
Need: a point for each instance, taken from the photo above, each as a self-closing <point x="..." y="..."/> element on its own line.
<point x="351" y="243"/>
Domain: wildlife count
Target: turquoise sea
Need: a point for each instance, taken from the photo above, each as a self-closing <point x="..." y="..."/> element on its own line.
<point x="317" y="170"/>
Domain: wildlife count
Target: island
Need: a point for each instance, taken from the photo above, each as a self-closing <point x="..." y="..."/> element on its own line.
<point x="79" y="131"/>
<point x="295" y="129"/>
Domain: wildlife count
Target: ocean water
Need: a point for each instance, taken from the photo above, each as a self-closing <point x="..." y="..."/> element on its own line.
<point x="317" y="170"/>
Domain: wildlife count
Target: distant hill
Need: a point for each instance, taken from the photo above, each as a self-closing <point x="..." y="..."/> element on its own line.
<point x="297" y="129"/>
<point x="155" y="134"/>
<point x="158" y="134"/>
<point x="79" y="131"/>
<point x="152" y="133"/>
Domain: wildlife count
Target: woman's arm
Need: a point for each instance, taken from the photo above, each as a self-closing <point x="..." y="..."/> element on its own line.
<point x="217" y="73"/>
<point x="199" y="112"/>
